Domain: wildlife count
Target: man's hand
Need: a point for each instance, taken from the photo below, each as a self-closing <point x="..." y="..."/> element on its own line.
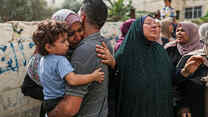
<point x="192" y="65"/>
<point x="104" y="53"/>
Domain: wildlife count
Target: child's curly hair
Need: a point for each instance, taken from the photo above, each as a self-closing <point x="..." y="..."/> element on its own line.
<point x="47" y="33"/>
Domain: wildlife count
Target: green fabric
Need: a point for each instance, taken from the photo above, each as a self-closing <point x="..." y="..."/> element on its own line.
<point x="145" y="69"/>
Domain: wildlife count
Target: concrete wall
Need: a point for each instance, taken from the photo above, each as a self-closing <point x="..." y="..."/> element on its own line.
<point x="15" y="51"/>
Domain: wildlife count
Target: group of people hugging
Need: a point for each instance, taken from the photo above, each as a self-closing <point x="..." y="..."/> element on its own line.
<point x="76" y="72"/>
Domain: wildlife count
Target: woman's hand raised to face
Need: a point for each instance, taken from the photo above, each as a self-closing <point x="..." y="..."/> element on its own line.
<point x="104" y="53"/>
<point x="192" y="65"/>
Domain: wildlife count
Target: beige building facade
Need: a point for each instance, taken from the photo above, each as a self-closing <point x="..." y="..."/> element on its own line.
<point x="185" y="9"/>
<point x="54" y="3"/>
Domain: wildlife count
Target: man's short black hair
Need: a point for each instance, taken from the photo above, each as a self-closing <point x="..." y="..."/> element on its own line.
<point x="96" y="12"/>
<point x="168" y="0"/>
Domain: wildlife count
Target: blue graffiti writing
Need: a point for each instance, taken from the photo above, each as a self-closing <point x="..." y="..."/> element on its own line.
<point x="31" y="44"/>
<point x="3" y="48"/>
<point x="12" y="54"/>
<point x="3" y="59"/>
<point x="21" y="48"/>
<point x="12" y="63"/>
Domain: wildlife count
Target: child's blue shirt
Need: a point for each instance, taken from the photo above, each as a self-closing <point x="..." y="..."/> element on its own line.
<point x="52" y="70"/>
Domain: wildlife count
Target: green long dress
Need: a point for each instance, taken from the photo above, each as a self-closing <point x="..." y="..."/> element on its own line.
<point x="145" y="71"/>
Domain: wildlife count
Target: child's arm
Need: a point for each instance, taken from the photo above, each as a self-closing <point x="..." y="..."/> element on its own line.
<point x="78" y="79"/>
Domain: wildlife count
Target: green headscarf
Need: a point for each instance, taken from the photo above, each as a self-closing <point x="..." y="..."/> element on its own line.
<point x="145" y="70"/>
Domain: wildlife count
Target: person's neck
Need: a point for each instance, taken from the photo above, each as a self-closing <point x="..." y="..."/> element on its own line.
<point x="168" y="5"/>
<point x="165" y="35"/>
<point x="90" y="30"/>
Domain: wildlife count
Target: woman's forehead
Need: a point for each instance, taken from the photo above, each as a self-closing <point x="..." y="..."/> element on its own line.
<point x="180" y="26"/>
<point x="149" y="19"/>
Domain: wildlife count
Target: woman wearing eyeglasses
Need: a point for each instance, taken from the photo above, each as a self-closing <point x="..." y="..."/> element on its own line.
<point x="146" y="73"/>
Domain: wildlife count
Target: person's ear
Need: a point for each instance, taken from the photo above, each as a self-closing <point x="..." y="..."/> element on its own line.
<point x="83" y="16"/>
<point x="206" y="34"/>
<point x="48" y="48"/>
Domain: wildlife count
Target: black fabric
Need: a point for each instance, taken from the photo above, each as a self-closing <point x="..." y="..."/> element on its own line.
<point x="145" y="70"/>
<point x="30" y="88"/>
<point x="48" y="105"/>
<point x="70" y="52"/>
<point x="164" y="41"/>
<point x="174" y="30"/>
<point x="174" y="55"/>
<point x="113" y="92"/>
<point x="192" y="90"/>
<point x="42" y="112"/>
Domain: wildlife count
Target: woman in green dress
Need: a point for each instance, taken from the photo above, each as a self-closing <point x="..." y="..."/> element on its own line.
<point x="145" y="72"/>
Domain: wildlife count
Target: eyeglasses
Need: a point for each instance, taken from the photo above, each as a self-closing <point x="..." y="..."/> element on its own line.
<point x="150" y="23"/>
<point x="71" y="33"/>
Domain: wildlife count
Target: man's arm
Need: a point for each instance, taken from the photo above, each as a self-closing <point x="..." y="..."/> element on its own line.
<point x="68" y="107"/>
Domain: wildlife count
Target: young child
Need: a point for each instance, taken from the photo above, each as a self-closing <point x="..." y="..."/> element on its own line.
<point x="54" y="69"/>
